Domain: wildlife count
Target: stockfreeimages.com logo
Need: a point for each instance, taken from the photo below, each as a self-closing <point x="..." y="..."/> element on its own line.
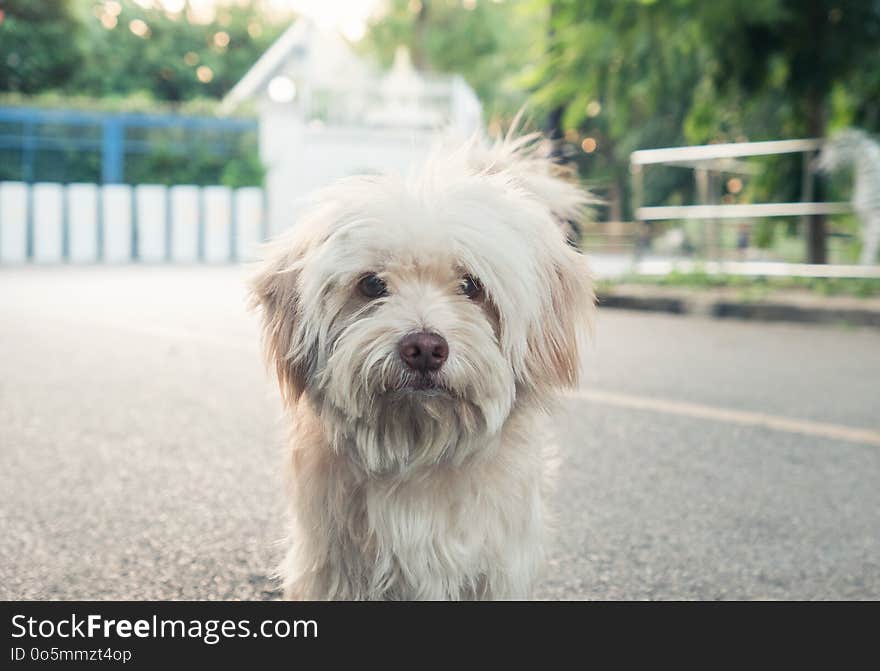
<point x="209" y="632"/>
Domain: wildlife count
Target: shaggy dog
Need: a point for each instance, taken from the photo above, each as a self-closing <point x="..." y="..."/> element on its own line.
<point x="420" y="328"/>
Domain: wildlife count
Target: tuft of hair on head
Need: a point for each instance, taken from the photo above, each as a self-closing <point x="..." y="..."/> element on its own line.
<point x="526" y="159"/>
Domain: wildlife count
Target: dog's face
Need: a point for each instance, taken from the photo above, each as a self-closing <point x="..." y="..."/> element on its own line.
<point x="414" y="316"/>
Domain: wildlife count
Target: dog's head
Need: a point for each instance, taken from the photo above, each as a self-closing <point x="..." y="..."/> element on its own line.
<point x="415" y="314"/>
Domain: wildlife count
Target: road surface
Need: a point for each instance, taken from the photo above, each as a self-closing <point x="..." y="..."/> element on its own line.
<point x="140" y="444"/>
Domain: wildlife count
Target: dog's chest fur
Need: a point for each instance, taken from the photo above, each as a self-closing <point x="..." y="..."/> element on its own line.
<point x="446" y="532"/>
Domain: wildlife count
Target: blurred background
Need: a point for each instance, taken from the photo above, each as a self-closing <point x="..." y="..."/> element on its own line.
<point x="286" y="95"/>
<point x="148" y="146"/>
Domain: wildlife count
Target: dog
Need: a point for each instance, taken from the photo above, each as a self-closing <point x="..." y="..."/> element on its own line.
<point x="420" y="329"/>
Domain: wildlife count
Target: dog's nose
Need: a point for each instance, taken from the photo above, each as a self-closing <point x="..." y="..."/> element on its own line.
<point x="423" y="351"/>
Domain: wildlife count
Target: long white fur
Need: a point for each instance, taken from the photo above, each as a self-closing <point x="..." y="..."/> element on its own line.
<point x="404" y="494"/>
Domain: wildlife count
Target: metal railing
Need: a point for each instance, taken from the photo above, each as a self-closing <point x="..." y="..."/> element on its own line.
<point x="711" y="159"/>
<point x="713" y="164"/>
<point x="30" y="130"/>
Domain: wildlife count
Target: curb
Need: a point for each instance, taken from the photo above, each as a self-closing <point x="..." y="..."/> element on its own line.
<point x="723" y="307"/>
<point x="781" y="312"/>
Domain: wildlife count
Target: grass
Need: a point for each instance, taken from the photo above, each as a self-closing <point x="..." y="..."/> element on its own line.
<point x="755" y="288"/>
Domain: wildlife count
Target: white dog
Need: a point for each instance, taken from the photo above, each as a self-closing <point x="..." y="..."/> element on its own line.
<point x="419" y="328"/>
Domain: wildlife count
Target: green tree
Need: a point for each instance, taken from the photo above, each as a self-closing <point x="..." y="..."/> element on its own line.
<point x="633" y="74"/>
<point x="624" y="73"/>
<point x="119" y="48"/>
<point x="800" y="61"/>
<point x="165" y="56"/>
<point x="39" y="44"/>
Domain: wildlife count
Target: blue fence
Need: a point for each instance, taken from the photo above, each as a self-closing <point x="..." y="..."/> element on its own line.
<point x="26" y="132"/>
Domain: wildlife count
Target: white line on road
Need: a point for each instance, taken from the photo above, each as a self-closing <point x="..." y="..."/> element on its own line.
<point x="698" y="411"/>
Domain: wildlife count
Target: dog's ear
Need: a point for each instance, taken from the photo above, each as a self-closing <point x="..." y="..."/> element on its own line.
<point x="555" y="344"/>
<point x="275" y="289"/>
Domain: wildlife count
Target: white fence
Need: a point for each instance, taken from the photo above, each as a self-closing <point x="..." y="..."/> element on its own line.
<point x="115" y="223"/>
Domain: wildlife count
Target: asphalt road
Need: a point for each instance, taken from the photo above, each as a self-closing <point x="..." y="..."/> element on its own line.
<point x="140" y="443"/>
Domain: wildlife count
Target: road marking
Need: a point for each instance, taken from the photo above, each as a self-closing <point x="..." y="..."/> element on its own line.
<point x="745" y="418"/>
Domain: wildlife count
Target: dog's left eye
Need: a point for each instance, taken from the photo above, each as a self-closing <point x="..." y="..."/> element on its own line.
<point x="471" y="287"/>
<point x="372" y="286"/>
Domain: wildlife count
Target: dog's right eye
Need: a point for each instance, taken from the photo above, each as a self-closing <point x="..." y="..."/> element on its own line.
<point x="372" y="286"/>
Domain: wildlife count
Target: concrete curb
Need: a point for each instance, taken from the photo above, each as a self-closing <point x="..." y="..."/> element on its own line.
<point x="727" y="304"/>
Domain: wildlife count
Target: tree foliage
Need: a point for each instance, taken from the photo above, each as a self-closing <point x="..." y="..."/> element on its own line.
<point x="105" y="48"/>
<point x="40" y="44"/>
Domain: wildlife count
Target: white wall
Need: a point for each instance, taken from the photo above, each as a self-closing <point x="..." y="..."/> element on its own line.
<point x="13" y="222"/>
<point x="116" y="223"/>
<point x="82" y="215"/>
<point x="300" y="159"/>
<point x="152" y="211"/>
<point x="48" y="217"/>
<point x="87" y="223"/>
<point x="185" y="222"/>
